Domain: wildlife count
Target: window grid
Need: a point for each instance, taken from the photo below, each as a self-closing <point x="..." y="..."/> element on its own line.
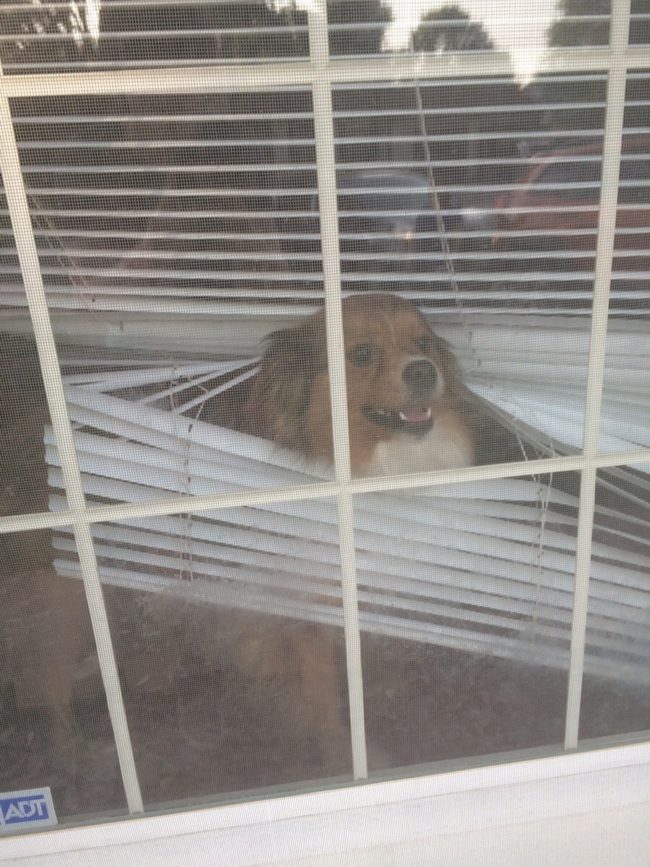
<point x="320" y="73"/>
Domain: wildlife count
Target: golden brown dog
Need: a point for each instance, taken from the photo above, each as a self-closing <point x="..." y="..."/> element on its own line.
<point x="406" y="410"/>
<point x="404" y="395"/>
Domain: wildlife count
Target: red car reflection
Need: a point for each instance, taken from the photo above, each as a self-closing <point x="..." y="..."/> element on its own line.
<point x="555" y="204"/>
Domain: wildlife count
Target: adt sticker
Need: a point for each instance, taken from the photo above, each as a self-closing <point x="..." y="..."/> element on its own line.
<point x="26" y="810"/>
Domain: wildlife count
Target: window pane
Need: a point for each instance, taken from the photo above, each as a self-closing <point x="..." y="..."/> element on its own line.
<point x="466" y="596"/>
<point x="174" y="233"/>
<point x="625" y="415"/>
<point x="640" y="23"/>
<point x="632" y="241"/>
<point x="478" y="200"/>
<point x="135" y="198"/>
<point x="24" y="414"/>
<point x="55" y="726"/>
<point x="59" y="37"/>
<point x="615" y="696"/>
<point x="228" y="633"/>
<point x="436" y="26"/>
<point x="463" y="163"/>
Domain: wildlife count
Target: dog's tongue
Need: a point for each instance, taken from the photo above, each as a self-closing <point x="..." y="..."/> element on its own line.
<point x="413" y="416"/>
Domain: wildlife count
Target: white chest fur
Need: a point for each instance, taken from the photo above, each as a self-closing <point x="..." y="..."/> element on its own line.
<point x="444" y="447"/>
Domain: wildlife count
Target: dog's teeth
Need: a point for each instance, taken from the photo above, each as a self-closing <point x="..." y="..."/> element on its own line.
<point x="413" y="416"/>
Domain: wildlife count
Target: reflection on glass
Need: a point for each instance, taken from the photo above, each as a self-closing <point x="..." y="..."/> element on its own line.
<point x="101" y="34"/>
<point x="626" y="412"/>
<point x="466" y="597"/>
<point x="111" y="35"/>
<point x="159" y="221"/>
<point x="53" y="714"/>
<point x="616" y="688"/>
<point x="437" y="26"/>
<point x="24" y="414"/>
<point x="639" y="23"/>
<point x="478" y="199"/>
<point x="228" y="633"/>
<point x="625" y="417"/>
<point x="24" y="422"/>
<point x="479" y="190"/>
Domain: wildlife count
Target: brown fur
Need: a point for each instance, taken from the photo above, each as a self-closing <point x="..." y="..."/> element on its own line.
<point x="289" y="402"/>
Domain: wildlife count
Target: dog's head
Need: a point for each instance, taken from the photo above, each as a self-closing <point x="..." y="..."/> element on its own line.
<point x="401" y="377"/>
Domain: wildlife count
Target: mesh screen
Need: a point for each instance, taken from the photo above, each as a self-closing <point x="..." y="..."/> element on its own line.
<point x="57" y="37"/>
<point x="640" y="23"/>
<point x="619" y="577"/>
<point x="227" y="629"/>
<point x="375" y="26"/>
<point x="479" y="616"/>
<point x="276" y="570"/>
<point x="23" y="409"/>
<point x="56" y="730"/>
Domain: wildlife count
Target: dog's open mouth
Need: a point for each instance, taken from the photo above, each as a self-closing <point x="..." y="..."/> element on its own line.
<point x="415" y="420"/>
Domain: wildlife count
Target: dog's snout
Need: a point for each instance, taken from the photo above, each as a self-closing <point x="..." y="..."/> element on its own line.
<point x="420" y="376"/>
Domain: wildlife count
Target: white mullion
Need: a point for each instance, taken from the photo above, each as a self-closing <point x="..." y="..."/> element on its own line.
<point x="326" y="178"/>
<point x="271" y="75"/>
<point x="615" y="106"/>
<point x="33" y="283"/>
<point x="211" y="502"/>
<point x="224" y="78"/>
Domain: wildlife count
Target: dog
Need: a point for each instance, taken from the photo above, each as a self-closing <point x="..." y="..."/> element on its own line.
<point x="407" y="412"/>
<point x="407" y="407"/>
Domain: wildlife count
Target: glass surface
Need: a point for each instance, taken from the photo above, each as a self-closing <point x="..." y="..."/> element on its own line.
<point x="640" y="22"/>
<point x="25" y="425"/>
<point x="111" y="34"/>
<point x="632" y="239"/>
<point x="479" y="193"/>
<point x="625" y="415"/>
<point x="524" y="32"/>
<point x="616" y="694"/>
<point x="625" y="418"/>
<point x="53" y="715"/>
<point x="466" y="595"/>
<point x="227" y="628"/>
<point x="477" y="200"/>
<point x="174" y="233"/>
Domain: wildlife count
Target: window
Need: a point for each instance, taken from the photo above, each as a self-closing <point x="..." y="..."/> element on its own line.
<point x="202" y="605"/>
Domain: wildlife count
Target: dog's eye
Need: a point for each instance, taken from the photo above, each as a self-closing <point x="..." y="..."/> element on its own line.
<point x="424" y="343"/>
<point x="363" y="355"/>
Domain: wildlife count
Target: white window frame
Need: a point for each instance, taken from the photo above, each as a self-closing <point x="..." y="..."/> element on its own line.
<point x="318" y="73"/>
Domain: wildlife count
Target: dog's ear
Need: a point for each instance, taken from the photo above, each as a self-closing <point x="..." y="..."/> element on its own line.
<point x="282" y="387"/>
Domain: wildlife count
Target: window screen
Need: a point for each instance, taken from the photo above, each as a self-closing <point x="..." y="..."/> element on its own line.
<point x="325" y="419"/>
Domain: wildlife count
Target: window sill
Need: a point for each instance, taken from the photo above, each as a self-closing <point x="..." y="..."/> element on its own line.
<point x="584" y="808"/>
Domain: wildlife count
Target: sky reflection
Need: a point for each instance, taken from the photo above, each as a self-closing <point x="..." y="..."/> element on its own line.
<point x="520" y="29"/>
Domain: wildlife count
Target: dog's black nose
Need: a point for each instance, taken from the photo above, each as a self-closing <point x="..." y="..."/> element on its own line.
<point x="420" y="376"/>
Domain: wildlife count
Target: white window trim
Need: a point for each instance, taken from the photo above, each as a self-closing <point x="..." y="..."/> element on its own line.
<point x="571" y="810"/>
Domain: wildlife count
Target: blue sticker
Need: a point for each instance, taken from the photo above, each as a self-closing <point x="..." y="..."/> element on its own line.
<point x="26" y="810"/>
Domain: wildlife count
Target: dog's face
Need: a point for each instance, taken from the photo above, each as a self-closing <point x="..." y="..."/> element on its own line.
<point x="397" y="369"/>
<point x="402" y="389"/>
